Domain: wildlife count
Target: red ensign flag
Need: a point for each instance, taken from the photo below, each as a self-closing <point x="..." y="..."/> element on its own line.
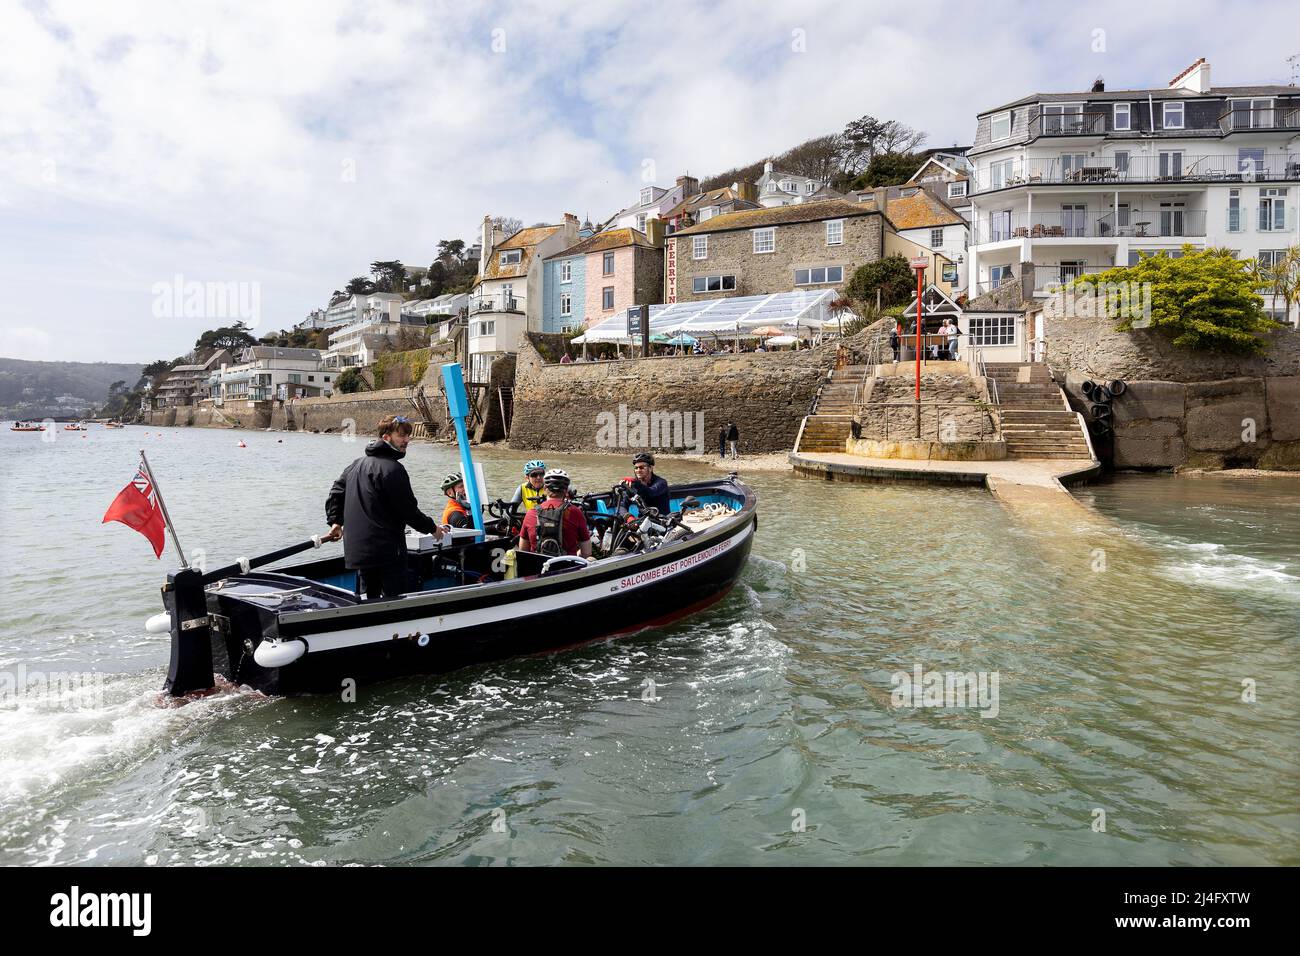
<point x="136" y="506"/>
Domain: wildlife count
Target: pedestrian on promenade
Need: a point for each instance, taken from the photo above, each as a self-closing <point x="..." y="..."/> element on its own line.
<point x="722" y="440"/>
<point x="895" y="338"/>
<point x="733" y="439"/>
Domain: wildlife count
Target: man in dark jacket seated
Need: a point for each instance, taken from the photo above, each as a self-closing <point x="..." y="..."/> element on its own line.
<point x="370" y="506"/>
<point x="652" y="489"/>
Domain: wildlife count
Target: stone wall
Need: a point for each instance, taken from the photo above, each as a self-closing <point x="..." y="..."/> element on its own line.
<point x="593" y="406"/>
<point x="1183" y="408"/>
<point x="954" y="410"/>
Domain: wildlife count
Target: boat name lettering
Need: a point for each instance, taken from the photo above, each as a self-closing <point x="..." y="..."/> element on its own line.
<point x="653" y="574"/>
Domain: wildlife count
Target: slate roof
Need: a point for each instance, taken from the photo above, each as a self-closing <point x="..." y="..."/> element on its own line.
<point x="612" y="239"/>
<point x="780" y="215"/>
<point x="921" y="210"/>
<point x="1160" y="94"/>
<point x="525" y="240"/>
<point x="711" y="198"/>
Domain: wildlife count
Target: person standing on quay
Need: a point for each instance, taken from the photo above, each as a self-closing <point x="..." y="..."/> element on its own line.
<point x="733" y="439"/>
<point x="722" y="440"/>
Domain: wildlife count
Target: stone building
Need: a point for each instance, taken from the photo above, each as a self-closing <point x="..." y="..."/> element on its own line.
<point x="815" y="245"/>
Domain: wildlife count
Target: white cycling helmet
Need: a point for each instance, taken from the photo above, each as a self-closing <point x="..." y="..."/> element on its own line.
<point x="556" y="479"/>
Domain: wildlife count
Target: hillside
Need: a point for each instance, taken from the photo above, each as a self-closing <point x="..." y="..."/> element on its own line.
<point x="36" y="389"/>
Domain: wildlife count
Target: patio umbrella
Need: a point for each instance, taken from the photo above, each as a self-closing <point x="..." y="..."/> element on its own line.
<point x="782" y="340"/>
<point x="766" y="330"/>
<point x="682" y="339"/>
<point x="661" y="338"/>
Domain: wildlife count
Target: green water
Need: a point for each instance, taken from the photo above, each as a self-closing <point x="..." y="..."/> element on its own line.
<point x="1120" y="647"/>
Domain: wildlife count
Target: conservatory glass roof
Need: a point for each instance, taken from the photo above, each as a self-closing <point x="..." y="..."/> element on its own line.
<point x="807" y="309"/>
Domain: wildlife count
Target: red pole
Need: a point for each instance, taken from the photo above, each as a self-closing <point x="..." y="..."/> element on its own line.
<point x="920" y="273"/>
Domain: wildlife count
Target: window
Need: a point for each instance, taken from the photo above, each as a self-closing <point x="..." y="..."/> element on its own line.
<point x="607" y="297"/>
<point x="835" y="232"/>
<point x="1234" y="210"/>
<point x="1074" y="218"/>
<point x="713" y="284"/>
<point x="788" y="185"/>
<point x="1171" y="219"/>
<point x="1250" y="162"/>
<point x="1173" y="116"/>
<point x="1123" y="119"/>
<point x="1171" y="164"/>
<point x="993" y="330"/>
<point x="295" y="379"/>
<point x="998" y="275"/>
<point x="566" y="303"/>
<point x="1121" y="161"/>
<point x="607" y="264"/>
<point x="311" y="378"/>
<point x="936" y="238"/>
<point x="819" y="276"/>
<point x="1251" y="113"/>
<point x="487" y="328"/>
<point x="1063" y="119"/>
<point x="765" y="240"/>
<point x="999" y="225"/>
<point x="699" y="247"/>
<point x="771" y="187"/>
<point x="957" y="190"/>
<point x="1000" y="174"/>
<point x="706" y="213"/>
<point x="511" y="257"/>
<point x="327" y="378"/>
<point x="1000" y="126"/>
<point x="1272" y="210"/>
<point x="566" y="271"/>
<point x="810" y="187"/>
<point x="647" y="195"/>
<point x="640" y="222"/>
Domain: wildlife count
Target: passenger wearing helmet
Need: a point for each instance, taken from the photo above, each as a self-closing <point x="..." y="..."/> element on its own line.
<point x="531" y="493"/>
<point x="652" y="489"/>
<point x="456" y="514"/>
<point x="556" y="526"/>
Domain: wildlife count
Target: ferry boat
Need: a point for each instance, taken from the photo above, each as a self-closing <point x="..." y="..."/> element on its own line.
<point x="304" y="628"/>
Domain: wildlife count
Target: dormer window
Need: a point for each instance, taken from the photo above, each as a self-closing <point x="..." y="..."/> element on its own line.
<point x="1000" y="126"/>
<point x="1173" y="116"/>
<point x="512" y="257"/>
<point x="647" y="195"/>
<point x="956" y="190"/>
<point x="810" y="187"/>
<point x="1123" y="119"/>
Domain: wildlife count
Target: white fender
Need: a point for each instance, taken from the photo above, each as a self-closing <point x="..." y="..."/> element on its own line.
<point x="159" y="623"/>
<point x="272" y="654"/>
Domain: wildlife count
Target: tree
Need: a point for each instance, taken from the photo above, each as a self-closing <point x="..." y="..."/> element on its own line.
<point x="232" y="337"/>
<point x="389" y="276"/>
<point x="508" y="225"/>
<point x="817" y="158"/>
<point x="888" y="169"/>
<point x="891" y="275"/>
<point x="359" y="286"/>
<point x="864" y="139"/>
<point x="350" y="381"/>
<point x="1205" y="299"/>
<point x="451" y="250"/>
<point x="1282" y="277"/>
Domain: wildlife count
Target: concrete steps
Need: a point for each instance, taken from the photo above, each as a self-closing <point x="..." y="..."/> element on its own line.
<point x="1035" y="420"/>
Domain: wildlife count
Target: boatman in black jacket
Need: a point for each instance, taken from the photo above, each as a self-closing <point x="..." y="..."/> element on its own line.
<point x="370" y="506"/>
<point x="652" y="489"/>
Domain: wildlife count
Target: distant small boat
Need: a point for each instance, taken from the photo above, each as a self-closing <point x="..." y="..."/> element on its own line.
<point x="75" y="427"/>
<point x="113" y="425"/>
<point x="26" y="427"/>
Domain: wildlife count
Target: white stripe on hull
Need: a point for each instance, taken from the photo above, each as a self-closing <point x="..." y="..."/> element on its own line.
<point x="443" y="623"/>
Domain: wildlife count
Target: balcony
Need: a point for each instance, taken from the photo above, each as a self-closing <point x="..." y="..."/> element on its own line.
<point x="495" y="302"/>
<point x="1242" y="118"/>
<point x="1077" y="123"/>
<point x="1171" y="166"/>
<point x="1087" y="224"/>
<point x="1048" y="278"/>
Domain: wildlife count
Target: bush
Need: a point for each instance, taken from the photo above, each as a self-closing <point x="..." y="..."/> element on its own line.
<point x="891" y="275"/>
<point x="350" y="381"/>
<point x="395" y="369"/>
<point x="1204" y="300"/>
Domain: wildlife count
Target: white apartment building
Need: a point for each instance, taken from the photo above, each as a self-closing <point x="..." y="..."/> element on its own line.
<point x="355" y="344"/>
<point x="266" y="373"/>
<point x="352" y="308"/>
<point x="1080" y="182"/>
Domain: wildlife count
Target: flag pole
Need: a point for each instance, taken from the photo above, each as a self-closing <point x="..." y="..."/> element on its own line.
<point x="162" y="506"/>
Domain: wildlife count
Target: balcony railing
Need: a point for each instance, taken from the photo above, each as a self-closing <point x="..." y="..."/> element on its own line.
<point x="1047" y="278"/>
<point x="1281" y="116"/>
<point x="496" y="302"/>
<point x="1171" y="166"/>
<point x="1043" y="123"/>
<point x="1087" y="224"/>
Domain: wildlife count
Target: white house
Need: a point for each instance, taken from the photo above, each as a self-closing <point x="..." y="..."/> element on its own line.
<point x="507" y="296"/>
<point x="776" y="188"/>
<point x="347" y="346"/>
<point x="1080" y="182"/>
<point x="266" y="372"/>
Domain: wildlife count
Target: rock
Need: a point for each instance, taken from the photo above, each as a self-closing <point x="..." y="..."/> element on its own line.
<point x="1227" y="416"/>
<point x="1146" y="400"/>
<point x="1142" y="451"/>
<point x="1283" y="407"/>
<point x="1281" y="456"/>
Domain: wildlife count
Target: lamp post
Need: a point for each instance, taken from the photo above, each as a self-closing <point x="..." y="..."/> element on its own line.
<point x="920" y="264"/>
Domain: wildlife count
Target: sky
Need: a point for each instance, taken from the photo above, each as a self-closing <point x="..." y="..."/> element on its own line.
<point x="266" y="152"/>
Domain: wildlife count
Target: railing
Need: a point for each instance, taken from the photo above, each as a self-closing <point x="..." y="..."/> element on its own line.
<point x="1086" y="224"/>
<point x="1239" y="118"/>
<point x="1047" y="277"/>
<point x="498" y="302"/>
<point x="898" y="418"/>
<point x="981" y="370"/>
<point x="1176" y="166"/>
<point x="1043" y="123"/>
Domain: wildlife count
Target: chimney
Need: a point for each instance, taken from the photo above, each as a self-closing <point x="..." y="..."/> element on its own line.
<point x="1099" y="85"/>
<point x="489" y="240"/>
<point x="690" y="186"/>
<point x="746" y="190"/>
<point x="880" y="196"/>
<point x="654" y="231"/>
<point x="569" y="228"/>
<point x="1195" y="78"/>
<point x="767" y="168"/>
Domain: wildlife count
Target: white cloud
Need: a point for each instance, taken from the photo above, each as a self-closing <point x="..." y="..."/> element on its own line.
<point x="138" y="141"/>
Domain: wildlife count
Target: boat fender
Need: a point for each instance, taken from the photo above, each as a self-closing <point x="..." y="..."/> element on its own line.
<point x="423" y="640"/>
<point x="1117" y="387"/>
<point x="1101" y="394"/>
<point x="159" y="623"/>
<point x="1087" y="388"/>
<point x="564" y="562"/>
<point x="243" y="565"/>
<point x="273" y="654"/>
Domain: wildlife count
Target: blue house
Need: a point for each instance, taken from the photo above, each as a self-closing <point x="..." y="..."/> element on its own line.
<point x="564" y="292"/>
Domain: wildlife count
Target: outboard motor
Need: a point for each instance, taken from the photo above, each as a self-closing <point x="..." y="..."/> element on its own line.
<point x="190" y="668"/>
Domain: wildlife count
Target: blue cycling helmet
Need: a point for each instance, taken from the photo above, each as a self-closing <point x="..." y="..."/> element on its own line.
<point x="535" y="465"/>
